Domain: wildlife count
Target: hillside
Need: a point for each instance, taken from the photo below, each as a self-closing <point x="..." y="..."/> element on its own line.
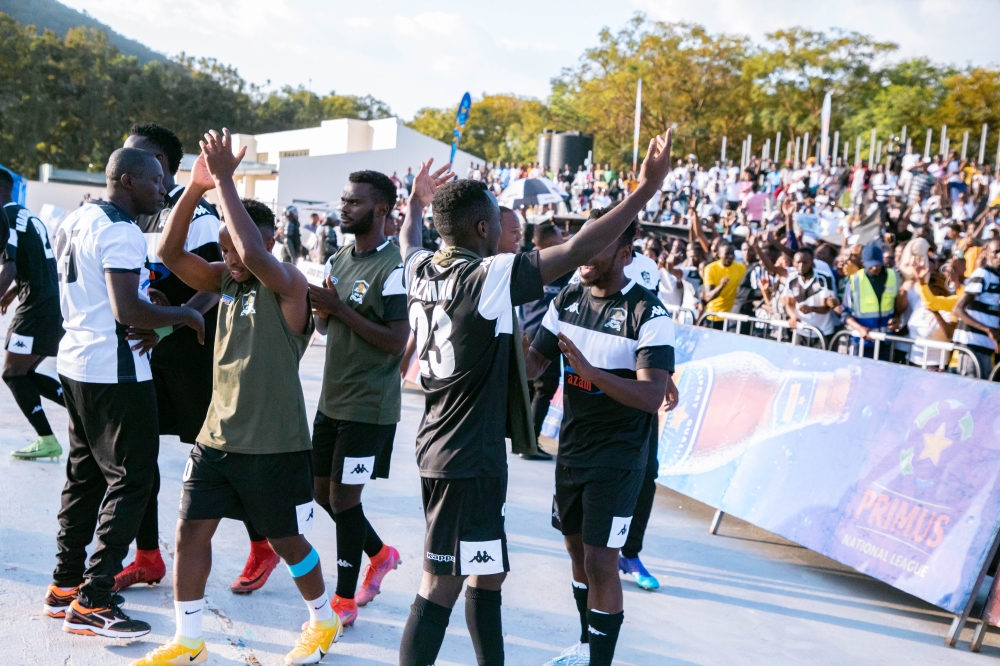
<point x="57" y="17"/>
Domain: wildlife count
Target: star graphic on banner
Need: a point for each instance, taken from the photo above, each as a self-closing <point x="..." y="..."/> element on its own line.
<point x="934" y="444"/>
<point x="677" y="418"/>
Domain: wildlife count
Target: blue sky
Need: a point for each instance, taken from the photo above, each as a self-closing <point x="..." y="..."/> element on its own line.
<point x="417" y="54"/>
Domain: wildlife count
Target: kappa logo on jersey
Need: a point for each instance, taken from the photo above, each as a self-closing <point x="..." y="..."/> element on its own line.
<point x="358" y="291"/>
<point x="573" y="308"/>
<point x="434" y="557"/>
<point x="616" y="319"/>
<point x="657" y="311"/>
<point x="249" y="300"/>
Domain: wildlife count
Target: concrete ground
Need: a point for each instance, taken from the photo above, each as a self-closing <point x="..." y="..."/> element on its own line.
<point x="742" y="597"/>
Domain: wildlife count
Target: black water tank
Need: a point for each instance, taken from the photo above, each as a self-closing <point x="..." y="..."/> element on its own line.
<point x="570" y="148"/>
<point x="544" y="148"/>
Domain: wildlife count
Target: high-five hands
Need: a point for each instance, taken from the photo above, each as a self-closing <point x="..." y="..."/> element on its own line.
<point x="218" y="153"/>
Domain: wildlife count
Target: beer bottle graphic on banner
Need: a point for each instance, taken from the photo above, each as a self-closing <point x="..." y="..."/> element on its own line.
<point x="920" y="491"/>
<point x="730" y="402"/>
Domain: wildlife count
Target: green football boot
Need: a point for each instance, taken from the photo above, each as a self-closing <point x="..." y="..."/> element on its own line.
<point x="43" y="447"/>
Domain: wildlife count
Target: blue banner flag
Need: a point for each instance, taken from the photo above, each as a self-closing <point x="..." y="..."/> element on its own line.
<point x="20" y="193"/>
<point x="460" y="118"/>
<point x="890" y="470"/>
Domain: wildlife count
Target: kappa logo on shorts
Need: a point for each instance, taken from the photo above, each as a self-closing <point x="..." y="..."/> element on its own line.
<point x="434" y="557"/>
<point x="20" y="344"/>
<point x="358" y="291"/>
<point x="304" y="514"/>
<point x="357" y="471"/>
<point x="619" y="531"/>
<point x="481" y="557"/>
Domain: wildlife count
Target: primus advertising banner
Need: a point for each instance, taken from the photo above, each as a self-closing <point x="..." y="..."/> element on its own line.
<point x="888" y="469"/>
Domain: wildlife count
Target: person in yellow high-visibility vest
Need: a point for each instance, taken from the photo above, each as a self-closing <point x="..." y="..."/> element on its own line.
<point x="873" y="301"/>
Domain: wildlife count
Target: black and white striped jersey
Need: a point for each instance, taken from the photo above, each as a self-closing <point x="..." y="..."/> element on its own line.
<point x="985" y="308"/>
<point x="98" y="238"/>
<point x="463" y="318"/>
<point x="619" y="334"/>
<point x="29" y="248"/>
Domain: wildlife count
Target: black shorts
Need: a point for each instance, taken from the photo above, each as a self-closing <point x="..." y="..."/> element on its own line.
<point x="465" y="532"/>
<point x="271" y="491"/>
<point x="182" y="400"/>
<point x="350" y="452"/>
<point x="597" y="502"/>
<point x="35" y="334"/>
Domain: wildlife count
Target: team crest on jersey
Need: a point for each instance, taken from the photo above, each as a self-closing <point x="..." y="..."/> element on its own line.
<point x="358" y="291"/>
<point x="616" y="319"/>
<point x="574" y="308"/>
<point x="249" y="300"/>
<point x="657" y="311"/>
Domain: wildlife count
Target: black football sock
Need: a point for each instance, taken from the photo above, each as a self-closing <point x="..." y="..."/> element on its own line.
<point x="148" y="536"/>
<point x="373" y="544"/>
<point x="252" y="533"/>
<point x="580" y="592"/>
<point x="50" y="388"/>
<point x="30" y="402"/>
<point x="351" y="528"/>
<point x="424" y="633"/>
<point x="482" y="616"/>
<point x="603" y="629"/>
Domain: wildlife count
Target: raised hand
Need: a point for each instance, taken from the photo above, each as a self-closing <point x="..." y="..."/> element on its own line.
<point x="656" y="164"/>
<point x="218" y="153"/>
<point x="426" y="183"/>
<point x="200" y="176"/>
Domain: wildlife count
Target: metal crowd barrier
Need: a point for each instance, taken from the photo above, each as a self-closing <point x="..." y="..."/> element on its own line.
<point x="840" y="343"/>
<point x="773" y="329"/>
<point x="995" y="373"/>
<point x="681" y="315"/>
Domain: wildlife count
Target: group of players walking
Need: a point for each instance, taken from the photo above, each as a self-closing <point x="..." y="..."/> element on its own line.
<point x="178" y="323"/>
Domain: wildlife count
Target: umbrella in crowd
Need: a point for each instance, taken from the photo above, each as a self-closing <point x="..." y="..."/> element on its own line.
<point x="530" y="192"/>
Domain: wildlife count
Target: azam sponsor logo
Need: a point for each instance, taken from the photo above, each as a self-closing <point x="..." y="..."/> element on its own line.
<point x="434" y="557"/>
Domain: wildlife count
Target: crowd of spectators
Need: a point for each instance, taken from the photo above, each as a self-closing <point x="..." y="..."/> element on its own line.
<point x="902" y="247"/>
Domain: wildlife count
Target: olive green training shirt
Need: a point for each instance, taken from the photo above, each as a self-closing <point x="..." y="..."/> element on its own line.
<point x="361" y="383"/>
<point x="257" y="403"/>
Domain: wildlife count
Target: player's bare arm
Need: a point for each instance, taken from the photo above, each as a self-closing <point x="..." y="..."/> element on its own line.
<point x="645" y="392"/>
<point x="558" y="260"/>
<point x="189" y="267"/>
<point x="130" y="310"/>
<point x="283" y="279"/>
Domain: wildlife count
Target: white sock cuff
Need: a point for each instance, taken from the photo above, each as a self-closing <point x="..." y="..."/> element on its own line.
<point x="594" y="610"/>
<point x="319" y="609"/>
<point x="188" y="615"/>
<point x="579" y="586"/>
